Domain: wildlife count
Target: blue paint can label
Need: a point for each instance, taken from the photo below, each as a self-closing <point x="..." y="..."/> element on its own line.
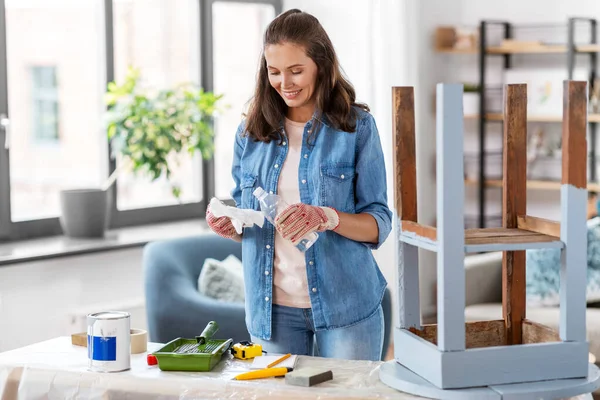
<point x="102" y="348"/>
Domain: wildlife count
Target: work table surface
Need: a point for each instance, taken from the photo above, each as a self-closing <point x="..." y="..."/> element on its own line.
<point x="57" y="369"/>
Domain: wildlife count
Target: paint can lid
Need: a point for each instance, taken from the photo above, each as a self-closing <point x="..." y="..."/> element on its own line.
<point x="109" y="315"/>
<point x="152" y="359"/>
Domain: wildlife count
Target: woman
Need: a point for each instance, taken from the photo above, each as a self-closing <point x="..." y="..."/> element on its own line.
<point x="306" y="139"/>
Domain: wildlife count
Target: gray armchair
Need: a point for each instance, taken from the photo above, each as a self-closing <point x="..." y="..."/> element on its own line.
<point x="174" y="306"/>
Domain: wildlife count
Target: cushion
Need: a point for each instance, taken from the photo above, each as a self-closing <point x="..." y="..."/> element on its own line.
<point x="222" y="280"/>
<point x="543" y="271"/>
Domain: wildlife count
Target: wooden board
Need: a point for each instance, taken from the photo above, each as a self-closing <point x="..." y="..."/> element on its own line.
<point x="541" y="49"/>
<point x="493" y="333"/>
<point x="423" y="231"/>
<point x="478" y="240"/>
<point x="505" y="235"/>
<point x="531" y="118"/>
<point x="574" y="144"/>
<point x="514" y="203"/>
<point x="532" y="184"/>
<point x="539" y="225"/>
<point x="404" y="157"/>
<point x="478" y="334"/>
<point x="538" y="333"/>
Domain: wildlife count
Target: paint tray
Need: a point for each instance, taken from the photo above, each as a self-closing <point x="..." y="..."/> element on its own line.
<point x="199" y="354"/>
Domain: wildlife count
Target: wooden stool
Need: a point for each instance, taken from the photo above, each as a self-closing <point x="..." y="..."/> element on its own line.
<point x="487" y="359"/>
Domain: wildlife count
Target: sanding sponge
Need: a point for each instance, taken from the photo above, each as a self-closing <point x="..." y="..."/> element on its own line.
<point x="308" y="376"/>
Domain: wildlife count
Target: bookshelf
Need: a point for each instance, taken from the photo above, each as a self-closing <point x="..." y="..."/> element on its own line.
<point x="507" y="49"/>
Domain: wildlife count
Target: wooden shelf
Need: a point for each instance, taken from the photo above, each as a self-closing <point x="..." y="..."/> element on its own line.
<point x="549" y="49"/>
<point x="477" y="240"/>
<point x="503" y="239"/>
<point x="457" y="51"/>
<point x="532" y="184"/>
<point x="531" y="118"/>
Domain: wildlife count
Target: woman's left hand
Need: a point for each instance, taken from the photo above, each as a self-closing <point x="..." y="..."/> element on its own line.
<point x="298" y="220"/>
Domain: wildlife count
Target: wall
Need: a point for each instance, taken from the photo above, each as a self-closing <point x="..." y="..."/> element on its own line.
<point x="543" y="203"/>
<point x="44" y="299"/>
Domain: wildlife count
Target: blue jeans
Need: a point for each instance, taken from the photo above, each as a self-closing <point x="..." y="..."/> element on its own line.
<point x="293" y="332"/>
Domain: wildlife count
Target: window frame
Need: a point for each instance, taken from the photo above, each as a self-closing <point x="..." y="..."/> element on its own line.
<point x="5" y="220"/>
<point x="12" y="231"/>
<point x="207" y="68"/>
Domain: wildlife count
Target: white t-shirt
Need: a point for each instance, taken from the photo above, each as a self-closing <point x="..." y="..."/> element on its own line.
<point x="290" y="287"/>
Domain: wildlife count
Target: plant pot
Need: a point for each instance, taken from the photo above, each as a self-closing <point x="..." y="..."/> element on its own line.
<point x="470" y="103"/>
<point x="84" y="212"/>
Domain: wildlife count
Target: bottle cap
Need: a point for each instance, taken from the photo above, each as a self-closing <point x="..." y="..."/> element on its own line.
<point x="258" y="192"/>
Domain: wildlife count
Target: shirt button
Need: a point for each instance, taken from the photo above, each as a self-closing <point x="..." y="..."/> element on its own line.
<point x="266" y="272"/>
<point x="314" y="290"/>
<point x="311" y="263"/>
<point x="341" y="176"/>
<point x="266" y="299"/>
<point x="303" y="181"/>
<point x="268" y="246"/>
<point x="306" y="156"/>
<point x="270" y="191"/>
<point x="277" y="166"/>
<point x="283" y="143"/>
<point x="310" y="130"/>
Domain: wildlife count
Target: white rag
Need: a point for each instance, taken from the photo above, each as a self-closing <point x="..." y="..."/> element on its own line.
<point x="239" y="217"/>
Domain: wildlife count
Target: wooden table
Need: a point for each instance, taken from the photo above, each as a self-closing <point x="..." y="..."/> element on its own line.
<point x="57" y="369"/>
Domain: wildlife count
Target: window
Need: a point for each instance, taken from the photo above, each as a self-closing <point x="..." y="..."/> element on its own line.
<point x="44" y="96"/>
<point x="237" y="36"/>
<point x="161" y="39"/>
<point x="55" y="70"/>
<point x="56" y="58"/>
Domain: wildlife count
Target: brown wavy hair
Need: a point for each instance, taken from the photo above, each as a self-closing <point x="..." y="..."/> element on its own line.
<point x="335" y="96"/>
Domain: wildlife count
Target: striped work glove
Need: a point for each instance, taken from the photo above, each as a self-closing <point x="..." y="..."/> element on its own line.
<point x="298" y="220"/>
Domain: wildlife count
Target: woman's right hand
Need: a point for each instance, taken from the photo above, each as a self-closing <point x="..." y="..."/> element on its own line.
<point x="222" y="226"/>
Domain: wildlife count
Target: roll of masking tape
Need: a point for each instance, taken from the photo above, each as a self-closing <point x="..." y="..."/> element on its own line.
<point x="139" y="341"/>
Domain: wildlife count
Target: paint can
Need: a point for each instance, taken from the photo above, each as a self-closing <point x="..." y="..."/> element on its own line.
<point x="109" y="340"/>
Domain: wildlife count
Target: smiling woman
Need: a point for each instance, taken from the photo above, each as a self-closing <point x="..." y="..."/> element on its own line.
<point x="306" y="138"/>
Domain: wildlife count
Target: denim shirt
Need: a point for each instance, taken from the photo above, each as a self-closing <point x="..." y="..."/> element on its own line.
<point x="338" y="169"/>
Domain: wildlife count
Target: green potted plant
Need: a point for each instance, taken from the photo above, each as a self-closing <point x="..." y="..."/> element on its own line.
<point x="146" y="128"/>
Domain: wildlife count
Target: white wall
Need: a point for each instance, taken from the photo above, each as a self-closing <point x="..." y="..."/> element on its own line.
<point x="43" y="299"/>
<point x="543" y="203"/>
<point x="530" y="11"/>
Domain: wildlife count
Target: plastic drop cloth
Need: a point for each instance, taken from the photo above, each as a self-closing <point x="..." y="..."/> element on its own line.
<point x="58" y="370"/>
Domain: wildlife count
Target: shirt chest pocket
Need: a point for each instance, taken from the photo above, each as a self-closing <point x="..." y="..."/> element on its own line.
<point x="247" y="186"/>
<point x="337" y="187"/>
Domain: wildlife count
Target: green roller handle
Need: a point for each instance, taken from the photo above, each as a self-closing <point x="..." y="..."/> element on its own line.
<point x="208" y="332"/>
